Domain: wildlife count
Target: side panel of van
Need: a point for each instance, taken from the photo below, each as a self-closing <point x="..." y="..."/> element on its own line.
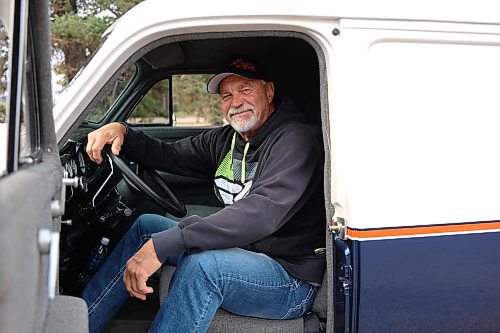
<point x="430" y="284"/>
<point x="416" y="116"/>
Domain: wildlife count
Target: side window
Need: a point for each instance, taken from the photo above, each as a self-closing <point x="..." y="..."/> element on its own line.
<point x="105" y="104"/>
<point x="154" y="106"/>
<point x="191" y="104"/>
<point x="4" y="52"/>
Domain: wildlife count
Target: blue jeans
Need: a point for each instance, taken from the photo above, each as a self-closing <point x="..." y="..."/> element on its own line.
<point x="240" y="281"/>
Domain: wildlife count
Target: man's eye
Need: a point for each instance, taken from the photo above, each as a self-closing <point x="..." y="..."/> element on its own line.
<point x="226" y="97"/>
<point x="246" y="91"/>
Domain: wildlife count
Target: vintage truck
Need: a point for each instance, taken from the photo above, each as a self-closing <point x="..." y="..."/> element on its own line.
<point x="406" y="95"/>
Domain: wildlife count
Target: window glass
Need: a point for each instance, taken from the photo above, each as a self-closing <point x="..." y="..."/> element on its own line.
<point x="192" y="104"/>
<point x="26" y="136"/>
<point x="4" y="53"/>
<point x="104" y="105"/>
<point x="153" y="107"/>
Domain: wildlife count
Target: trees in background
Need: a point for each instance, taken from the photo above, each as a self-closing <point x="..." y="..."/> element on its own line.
<point x="4" y="47"/>
<point x="77" y="28"/>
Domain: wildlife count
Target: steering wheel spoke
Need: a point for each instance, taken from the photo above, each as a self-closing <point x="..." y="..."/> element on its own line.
<point x="158" y="191"/>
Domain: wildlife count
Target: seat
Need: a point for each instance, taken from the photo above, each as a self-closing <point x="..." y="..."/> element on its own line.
<point x="225" y="321"/>
<point x="67" y="314"/>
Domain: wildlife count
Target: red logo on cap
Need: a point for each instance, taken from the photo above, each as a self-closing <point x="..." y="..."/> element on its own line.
<point x="243" y="64"/>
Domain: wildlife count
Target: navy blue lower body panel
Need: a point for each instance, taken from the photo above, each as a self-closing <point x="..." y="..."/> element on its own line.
<point x="430" y="284"/>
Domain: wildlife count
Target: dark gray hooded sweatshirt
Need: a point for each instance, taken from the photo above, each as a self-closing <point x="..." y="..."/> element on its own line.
<point x="272" y="189"/>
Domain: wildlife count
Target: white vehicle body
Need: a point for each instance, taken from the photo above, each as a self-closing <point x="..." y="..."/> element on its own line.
<point x="389" y="52"/>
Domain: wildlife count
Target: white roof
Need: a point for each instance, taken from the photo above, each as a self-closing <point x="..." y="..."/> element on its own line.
<point x="477" y="11"/>
<point x="153" y="19"/>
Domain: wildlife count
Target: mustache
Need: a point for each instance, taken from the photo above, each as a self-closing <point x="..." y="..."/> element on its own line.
<point x="245" y="107"/>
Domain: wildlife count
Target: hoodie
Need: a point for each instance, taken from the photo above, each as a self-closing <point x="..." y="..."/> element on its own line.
<point x="271" y="186"/>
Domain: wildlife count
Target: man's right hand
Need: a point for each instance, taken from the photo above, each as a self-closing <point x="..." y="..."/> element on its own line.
<point x="113" y="133"/>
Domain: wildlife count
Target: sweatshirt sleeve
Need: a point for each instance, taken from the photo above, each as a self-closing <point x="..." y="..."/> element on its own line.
<point x="291" y="171"/>
<point x="193" y="156"/>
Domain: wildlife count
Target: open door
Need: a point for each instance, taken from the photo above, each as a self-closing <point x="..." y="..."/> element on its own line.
<point x="30" y="183"/>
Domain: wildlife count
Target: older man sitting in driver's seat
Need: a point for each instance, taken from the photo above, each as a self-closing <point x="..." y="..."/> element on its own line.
<point x="256" y="256"/>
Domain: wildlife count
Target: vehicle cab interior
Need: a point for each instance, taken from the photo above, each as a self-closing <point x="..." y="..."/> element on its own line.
<point x="161" y="90"/>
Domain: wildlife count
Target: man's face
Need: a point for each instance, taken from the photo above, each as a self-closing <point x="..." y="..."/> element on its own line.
<point x="246" y="103"/>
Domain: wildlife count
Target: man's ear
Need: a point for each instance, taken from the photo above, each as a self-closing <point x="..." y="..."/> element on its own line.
<point x="269" y="91"/>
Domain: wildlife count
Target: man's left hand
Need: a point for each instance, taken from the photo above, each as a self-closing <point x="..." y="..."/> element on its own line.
<point x="139" y="268"/>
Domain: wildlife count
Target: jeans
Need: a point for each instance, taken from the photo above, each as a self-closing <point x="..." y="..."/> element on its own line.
<point x="242" y="282"/>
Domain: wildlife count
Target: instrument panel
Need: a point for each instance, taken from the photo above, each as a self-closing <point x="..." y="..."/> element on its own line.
<point x="75" y="161"/>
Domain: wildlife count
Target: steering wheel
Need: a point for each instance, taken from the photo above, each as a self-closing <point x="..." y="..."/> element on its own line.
<point x="168" y="200"/>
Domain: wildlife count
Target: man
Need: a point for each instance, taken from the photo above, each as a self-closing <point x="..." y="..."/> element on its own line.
<point x="260" y="255"/>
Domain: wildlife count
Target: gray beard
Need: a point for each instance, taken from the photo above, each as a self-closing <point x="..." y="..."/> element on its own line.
<point x="242" y="125"/>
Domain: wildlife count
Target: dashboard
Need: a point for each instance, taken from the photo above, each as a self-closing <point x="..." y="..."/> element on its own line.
<point x="93" y="209"/>
<point x="96" y="184"/>
<point x="76" y="163"/>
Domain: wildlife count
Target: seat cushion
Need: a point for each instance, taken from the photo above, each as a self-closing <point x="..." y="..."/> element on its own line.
<point x="225" y="321"/>
<point x="320" y="304"/>
<point x="67" y="314"/>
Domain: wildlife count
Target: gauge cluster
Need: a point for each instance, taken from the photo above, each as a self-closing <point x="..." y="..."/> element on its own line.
<point x="76" y="162"/>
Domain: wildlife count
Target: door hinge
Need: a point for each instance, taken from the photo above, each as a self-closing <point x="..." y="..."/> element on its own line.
<point x="345" y="278"/>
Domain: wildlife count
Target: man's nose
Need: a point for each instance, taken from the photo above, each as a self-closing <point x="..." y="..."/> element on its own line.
<point x="237" y="101"/>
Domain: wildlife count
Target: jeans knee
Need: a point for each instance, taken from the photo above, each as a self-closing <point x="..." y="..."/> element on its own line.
<point x="201" y="265"/>
<point x="141" y="226"/>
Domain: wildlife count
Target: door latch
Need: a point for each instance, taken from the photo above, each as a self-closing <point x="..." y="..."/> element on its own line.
<point x="337" y="226"/>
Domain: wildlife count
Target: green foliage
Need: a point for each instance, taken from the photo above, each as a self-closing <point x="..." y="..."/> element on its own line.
<point x="77" y="38"/>
<point x="155" y="103"/>
<point x="191" y="98"/>
<point x="2" y="113"/>
<point x="77" y="29"/>
<point x="4" y="53"/>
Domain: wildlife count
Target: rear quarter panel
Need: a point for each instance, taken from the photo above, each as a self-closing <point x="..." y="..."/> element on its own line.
<point x="415" y="132"/>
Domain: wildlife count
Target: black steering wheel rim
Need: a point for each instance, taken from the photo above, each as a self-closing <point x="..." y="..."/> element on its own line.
<point x="171" y="203"/>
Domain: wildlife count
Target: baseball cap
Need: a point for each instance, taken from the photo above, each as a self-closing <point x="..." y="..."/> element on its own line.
<point x="237" y="65"/>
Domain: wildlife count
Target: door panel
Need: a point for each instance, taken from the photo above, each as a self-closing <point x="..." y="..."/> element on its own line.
<point x="25" y="205"/>
<point x="32" y="183"/>
<point x="169" y="134"/>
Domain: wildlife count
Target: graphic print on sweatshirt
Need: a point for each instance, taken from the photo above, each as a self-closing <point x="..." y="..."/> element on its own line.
<point x="229" y="185"/>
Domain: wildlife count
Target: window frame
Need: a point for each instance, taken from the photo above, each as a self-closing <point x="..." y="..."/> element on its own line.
<point x="145" y="88"/>
<point x="21" y="87"/>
